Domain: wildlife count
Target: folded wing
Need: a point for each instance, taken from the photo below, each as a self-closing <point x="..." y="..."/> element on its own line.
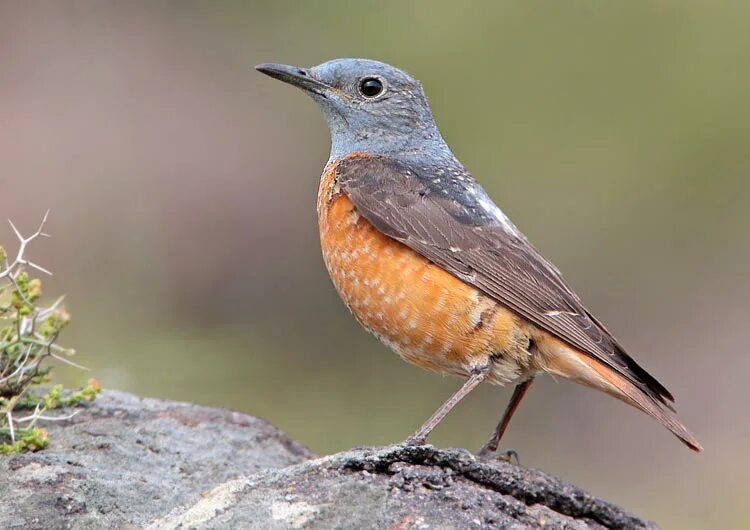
<point x="445" y="215"/>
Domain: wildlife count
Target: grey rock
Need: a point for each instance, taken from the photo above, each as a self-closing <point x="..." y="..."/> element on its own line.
<point x="126" y="462"/>
<point x="123" y="461"/>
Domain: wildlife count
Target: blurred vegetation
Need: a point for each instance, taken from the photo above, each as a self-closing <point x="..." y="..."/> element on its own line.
<point x="614" y="134"/>
<point x="28" y="337"/>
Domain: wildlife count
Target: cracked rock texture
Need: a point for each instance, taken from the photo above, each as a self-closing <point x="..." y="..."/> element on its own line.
<point x="127" y="462"/>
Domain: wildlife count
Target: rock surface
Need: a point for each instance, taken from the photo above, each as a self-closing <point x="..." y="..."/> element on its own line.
<point x="127" y="462"/>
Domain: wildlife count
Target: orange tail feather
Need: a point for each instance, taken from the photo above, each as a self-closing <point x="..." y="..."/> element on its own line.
<point x="585" y="370"/>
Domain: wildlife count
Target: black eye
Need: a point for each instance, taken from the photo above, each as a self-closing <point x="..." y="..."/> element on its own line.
<point x="371" y="87"/>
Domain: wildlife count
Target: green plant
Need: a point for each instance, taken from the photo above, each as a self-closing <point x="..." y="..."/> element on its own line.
<point x="28" y="337"/>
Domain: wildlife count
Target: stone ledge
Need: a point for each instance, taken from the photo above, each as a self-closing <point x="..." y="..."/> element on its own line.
<point x="128" y="462"/>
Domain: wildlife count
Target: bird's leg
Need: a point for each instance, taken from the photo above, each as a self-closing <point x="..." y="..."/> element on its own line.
<point x="477" y="376"/>
<point x="494" y="441"/>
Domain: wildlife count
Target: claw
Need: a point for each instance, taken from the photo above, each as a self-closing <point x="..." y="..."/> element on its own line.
<point x="509" y="455"/>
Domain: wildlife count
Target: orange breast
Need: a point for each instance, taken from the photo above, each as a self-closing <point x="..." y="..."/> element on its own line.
<point x="427" y="315"/>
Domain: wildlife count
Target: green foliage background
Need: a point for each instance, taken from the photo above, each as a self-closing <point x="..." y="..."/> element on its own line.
<point x="182" y="185"/>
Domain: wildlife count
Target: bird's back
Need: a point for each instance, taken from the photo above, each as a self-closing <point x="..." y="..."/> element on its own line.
<point x="438" y="321"/>
<point x="424" y="313"/>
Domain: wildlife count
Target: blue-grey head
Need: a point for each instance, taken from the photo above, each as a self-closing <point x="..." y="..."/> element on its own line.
<point x="370" y="106"/>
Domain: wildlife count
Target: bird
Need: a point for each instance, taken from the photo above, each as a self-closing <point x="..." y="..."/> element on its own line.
<point x="429" y="264"/>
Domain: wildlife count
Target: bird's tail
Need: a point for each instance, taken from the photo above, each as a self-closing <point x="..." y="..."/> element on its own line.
<point x="583" y="369"/>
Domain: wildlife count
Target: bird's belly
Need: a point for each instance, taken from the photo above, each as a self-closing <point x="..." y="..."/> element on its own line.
<point x="427" y="315"/>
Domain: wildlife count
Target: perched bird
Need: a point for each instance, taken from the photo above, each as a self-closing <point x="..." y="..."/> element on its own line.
<point x="427" y="262"/>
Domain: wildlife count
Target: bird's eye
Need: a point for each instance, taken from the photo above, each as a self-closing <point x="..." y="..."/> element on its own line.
<point x="371" y="87"/>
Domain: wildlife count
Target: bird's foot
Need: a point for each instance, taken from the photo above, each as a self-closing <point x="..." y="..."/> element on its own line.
<point x="414" y="441"/>
<point x="509" y="455"/>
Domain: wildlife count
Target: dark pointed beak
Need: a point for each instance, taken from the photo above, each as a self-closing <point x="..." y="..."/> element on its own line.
<point x="294" y="75"/>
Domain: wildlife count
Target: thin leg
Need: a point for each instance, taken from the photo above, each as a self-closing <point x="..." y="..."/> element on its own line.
<point x="419" y="437"/>
<point x="515" y="400"/>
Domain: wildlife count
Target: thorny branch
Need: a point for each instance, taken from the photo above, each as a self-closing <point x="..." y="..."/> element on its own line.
<point x="27" y="338"/>
<point x="12" y="270"/>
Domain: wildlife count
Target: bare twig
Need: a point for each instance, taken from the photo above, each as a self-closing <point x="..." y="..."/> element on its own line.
<point x="12" y="269"/>
<point x="9" y="415"/>
<point x="21" y="366"/>
<point x="68" y="362"/>
<point x="38" y="415"/>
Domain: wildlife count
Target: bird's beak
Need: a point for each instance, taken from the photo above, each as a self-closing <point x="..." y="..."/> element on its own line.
<point x="294" y="75"/>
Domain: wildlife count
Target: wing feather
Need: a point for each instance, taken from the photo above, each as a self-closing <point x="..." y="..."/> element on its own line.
<point x="452" y="224"/>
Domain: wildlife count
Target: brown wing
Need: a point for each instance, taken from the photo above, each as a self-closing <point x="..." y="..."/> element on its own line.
<point x="448" y="218"/>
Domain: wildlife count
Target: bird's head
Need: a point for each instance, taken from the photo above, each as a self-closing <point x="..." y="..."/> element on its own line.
<point x="370" y="106"/>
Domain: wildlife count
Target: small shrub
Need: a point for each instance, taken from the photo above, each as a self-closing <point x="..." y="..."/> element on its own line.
<point x="28" y="337"/>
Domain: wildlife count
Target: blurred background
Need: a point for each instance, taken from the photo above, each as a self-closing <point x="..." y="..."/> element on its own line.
<point x="182" y="187"/>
